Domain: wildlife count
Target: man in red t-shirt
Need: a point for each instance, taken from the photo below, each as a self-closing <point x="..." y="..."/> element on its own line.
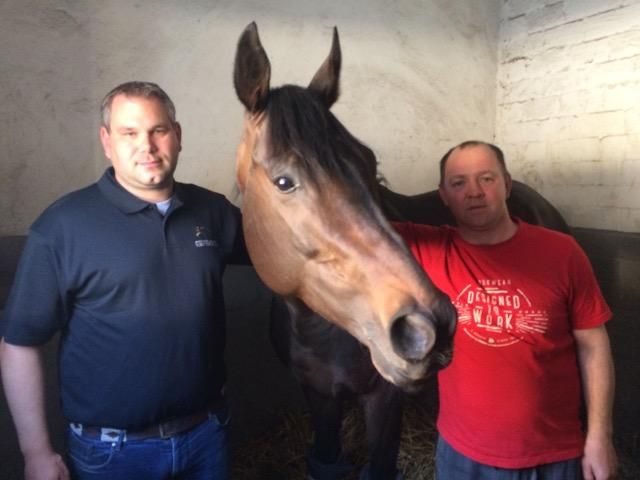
<point x="530" y="336"/>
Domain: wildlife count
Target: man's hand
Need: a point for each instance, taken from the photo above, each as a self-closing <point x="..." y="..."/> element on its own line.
<point x="45" y="466"/>
<point x="599" y="461"/>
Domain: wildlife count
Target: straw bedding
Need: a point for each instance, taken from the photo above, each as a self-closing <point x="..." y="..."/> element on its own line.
<point x="281" y="454"/>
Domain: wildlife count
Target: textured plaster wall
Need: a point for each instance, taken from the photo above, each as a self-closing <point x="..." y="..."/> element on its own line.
<point x="568" y="112"/>
<point x="418" y="76"/>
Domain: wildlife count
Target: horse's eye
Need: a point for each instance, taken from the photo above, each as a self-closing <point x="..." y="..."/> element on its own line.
<point x="285" y="184"/>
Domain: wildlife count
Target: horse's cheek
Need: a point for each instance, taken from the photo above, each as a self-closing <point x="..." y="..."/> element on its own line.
<point x="266" y="248"/>
<point x="281" y="280"/>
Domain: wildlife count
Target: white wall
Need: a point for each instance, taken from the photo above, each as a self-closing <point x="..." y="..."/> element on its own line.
<point x="418" y="76"/>
<point x="568" y="112"/>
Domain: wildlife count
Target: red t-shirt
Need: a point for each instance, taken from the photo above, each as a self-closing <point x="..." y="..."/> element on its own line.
<point x="511" y="396"/>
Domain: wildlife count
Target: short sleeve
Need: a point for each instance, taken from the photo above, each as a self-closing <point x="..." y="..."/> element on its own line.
<point x="587" y="305"/>
<point x="35" y="307"/>
<point x="238" y="253"/>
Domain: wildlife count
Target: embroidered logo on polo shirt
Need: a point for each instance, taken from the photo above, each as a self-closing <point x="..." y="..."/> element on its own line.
<point x="203" y="237"/>
<point x="498" y="314"/>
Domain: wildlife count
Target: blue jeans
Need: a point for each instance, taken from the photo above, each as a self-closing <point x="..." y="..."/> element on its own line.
<point x="198" y="454"/>
<point x="451" y="465"/>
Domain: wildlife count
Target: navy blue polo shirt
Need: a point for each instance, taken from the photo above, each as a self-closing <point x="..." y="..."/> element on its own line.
<point x="137" y="297"/>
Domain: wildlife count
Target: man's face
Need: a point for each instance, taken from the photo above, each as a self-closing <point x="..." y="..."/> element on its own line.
<point x="475" y="187"/>
<point x="143" y="146"/>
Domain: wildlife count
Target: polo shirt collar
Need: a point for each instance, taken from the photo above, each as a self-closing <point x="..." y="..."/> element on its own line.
<point x="125" y="201"/>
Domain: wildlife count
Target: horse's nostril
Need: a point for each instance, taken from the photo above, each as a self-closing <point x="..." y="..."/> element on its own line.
<point x="413" y="336"/>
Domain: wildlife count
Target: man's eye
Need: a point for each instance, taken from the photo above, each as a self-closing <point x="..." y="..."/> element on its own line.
<point x="285" y="184"/>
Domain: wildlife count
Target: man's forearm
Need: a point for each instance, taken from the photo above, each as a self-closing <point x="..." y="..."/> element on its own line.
<point x="599" y="460"/>
<point x="596" y="366"/>
<point x="22" y="377"/>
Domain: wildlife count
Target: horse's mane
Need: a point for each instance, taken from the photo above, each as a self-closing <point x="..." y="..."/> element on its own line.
<point x="300" y="124"/>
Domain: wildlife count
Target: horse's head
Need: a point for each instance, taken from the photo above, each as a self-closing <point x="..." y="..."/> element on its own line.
<point x="313" y="228"/>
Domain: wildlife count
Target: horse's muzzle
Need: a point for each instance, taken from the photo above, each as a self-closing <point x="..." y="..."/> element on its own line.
<point x="423" y="340"/>
<point x="416" y="334"/>
<point x="413" y="336"/>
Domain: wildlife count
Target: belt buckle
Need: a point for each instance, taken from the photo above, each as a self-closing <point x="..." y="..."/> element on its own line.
<point x="111" y="434"/>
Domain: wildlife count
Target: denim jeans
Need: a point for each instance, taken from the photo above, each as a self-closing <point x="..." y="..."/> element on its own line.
<point x="198" y="454"/>
<point x="451" y="465"/>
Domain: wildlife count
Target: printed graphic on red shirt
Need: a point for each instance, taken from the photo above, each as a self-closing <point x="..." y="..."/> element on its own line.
<point x="498" y="314"/>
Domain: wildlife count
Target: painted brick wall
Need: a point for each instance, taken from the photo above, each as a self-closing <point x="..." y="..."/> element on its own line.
<point x="568" y="105"/>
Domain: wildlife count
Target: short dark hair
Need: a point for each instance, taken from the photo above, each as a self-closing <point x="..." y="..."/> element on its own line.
<point x="473" y="143"/>
<point x="136" y="89"/>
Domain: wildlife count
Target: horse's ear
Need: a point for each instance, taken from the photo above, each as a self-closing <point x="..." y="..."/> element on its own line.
<point x="252" y="70"/>
<point x="326" y="81"/>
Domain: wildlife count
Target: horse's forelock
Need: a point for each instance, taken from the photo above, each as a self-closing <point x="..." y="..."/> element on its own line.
<point x="300" y="125"/>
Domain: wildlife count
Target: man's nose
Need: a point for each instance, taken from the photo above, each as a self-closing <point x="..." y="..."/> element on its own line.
<point x="147" y="143"/>
<point x="474" y="189"/>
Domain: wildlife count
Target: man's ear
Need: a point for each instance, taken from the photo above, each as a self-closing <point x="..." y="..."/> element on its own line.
<point x="178" y="128"/>
<point x="508" y="183"/>
<point x="104" y="139"/>
<point x="443" y="195"/>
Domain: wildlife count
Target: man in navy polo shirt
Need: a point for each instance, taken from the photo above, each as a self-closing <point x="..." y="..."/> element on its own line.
<point x="128" y="270"/>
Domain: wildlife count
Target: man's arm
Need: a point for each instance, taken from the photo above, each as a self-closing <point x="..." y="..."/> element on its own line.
<point x="22" y="377"/>
<point x="596" y="366"/>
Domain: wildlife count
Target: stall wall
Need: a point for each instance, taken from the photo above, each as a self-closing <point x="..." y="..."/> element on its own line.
<point x="568" y="106"/>
<point x="417" y="75"/>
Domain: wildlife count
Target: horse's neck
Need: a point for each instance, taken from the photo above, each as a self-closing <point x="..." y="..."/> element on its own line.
<point x="315" y="332"/>
<point x="308" y="325"/>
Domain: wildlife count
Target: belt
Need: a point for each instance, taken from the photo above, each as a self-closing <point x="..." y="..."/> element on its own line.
<point x="167" y="429"/>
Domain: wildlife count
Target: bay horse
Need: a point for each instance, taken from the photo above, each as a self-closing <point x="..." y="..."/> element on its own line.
<point x="360" y="317"/>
